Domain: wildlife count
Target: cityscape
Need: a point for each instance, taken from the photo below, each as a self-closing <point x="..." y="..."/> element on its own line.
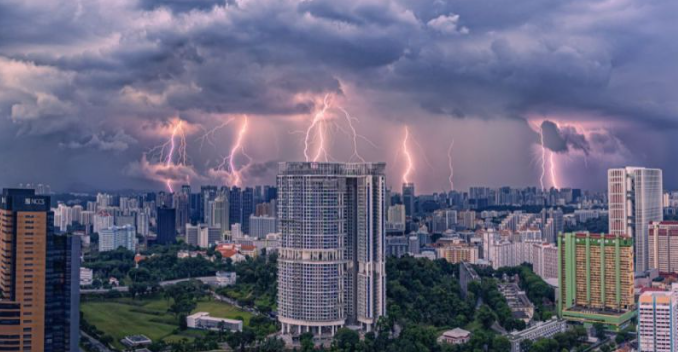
<point x="354" y="176"/>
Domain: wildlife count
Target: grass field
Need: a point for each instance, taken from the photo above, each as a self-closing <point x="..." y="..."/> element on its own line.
<point x="125" y="316"/>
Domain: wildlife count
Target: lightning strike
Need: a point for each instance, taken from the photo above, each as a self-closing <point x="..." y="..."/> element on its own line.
<point x="238" y="147"/>
<point x="208" y="135"/>
<point x="173" y="152"/>
<point x="554" y="182"/>
<point x="408" y="157"/>
<point x="325" y="122"/>
<point x="317" y="128"/>
<point x="543" y="159"/>
<point x="449" y="160"/>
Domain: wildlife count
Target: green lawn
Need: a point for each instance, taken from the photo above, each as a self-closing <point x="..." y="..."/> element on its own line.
<point x="125" y="316"/>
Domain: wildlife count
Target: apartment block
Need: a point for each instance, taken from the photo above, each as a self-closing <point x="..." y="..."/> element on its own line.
<point x="596" y="278"/>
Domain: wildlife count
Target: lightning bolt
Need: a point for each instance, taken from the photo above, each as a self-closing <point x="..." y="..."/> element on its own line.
<point x="324" y="123"/>
<point x="208" y="135"/>
<point x="227" y="169"/>
<point x="408" y="157"/>
<point x="238" y="147"/>
<point x="317" y="127"/>
<point x="173" y="152"/>
<point x="554" y="182"/>
<point x="449" y="160"/>
<point x="354" y="135"/>
<point x="543" y="159"/>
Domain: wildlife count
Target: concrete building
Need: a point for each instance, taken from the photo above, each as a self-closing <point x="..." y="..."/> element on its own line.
<point x="86" y="276"/>
<point x="635" y="200"/>
<point x="457" y="253"/>
<point x="409" y="198"/>
<point x="658" y="321"/>
<point x="397" y="246"/>
<point x="203" y="321"/>
<point x="220" y="213"/>
<point x="520" y="305"/>
<point x="596" y="278"/>
<point x="115" y="237"/>
<point x="467" y="219"/>
<point x="226" y="278"/>
<point x="545" y="260"/>
<point x="467" y="275"/>
<point x="202" y="235"/>
<point x="331" y="265"/>
<point x="260" y="226"/>
<point x="455" y="336"/>
<point x="663" y="246"/>
<point x="103" y="220"/>
<point x="542" y="329"/>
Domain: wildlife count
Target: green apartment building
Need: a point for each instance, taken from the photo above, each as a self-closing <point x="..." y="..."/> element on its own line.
<point x="595" y="273"/>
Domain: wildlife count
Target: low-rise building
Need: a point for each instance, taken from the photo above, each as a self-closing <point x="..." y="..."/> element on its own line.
<point x="136" y="341"/>
<point x="542" y="329"/>
<point x="517" y="300"/>
<point x="203" y="321"/>
<point x="226" y="278"/>
<point x="455" y="336"/>
<point x="86" y="276"/>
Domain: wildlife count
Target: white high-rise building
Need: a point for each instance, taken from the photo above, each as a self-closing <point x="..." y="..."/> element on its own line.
<point x="635" y="200"/>
<point x="117" y="236"/>
<point x="103" y="220"/>
<point x="331" y="265"/>
<point x="658" y="321"/>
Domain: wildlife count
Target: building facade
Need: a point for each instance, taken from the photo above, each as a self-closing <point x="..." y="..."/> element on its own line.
<point x="658" y="321"/>
<point x="635" y="200"/>
<point x="596" y="278"/>
<point x="663" y="246"/>
<point x="331" y="265"/>
<point x="167" y="226"/>
<point x="115" y="237"/>
<point x="39" y="277"/>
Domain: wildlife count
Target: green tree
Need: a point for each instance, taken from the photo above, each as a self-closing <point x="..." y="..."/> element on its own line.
<point x="486" y="316"/>
<point x="346" y="340"/>
<point x="306" y="340"/>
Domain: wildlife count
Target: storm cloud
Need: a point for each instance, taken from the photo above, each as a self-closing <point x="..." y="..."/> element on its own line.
<point x="82" y="78"/>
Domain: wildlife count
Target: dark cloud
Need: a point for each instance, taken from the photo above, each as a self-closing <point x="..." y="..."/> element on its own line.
<point x="86" y="74"/>
<point x="563" y="139"/>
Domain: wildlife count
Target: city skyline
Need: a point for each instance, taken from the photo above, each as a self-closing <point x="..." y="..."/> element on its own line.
<point x="454" y="93"/>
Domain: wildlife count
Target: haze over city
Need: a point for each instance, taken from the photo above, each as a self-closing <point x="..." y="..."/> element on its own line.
<point x="534" y="93"/>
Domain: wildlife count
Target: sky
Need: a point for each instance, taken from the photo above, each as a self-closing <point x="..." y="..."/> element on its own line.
<point x="150" y="94"/>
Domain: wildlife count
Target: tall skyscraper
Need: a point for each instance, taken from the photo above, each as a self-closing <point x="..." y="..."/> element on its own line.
<point x="408" y="199"/>
<point x="182" y="206"/>
<point x="207" y="194"/>
<point x="220" y="213"/>
<point x="248" y="205"/>
<point x="235" y="206"/>
<point x="595" y="273"/>
<point x="635" y="200"/>
<point x="166" y="229"/>
<point x="39" y="304"/>
<point x="331" y="258"/>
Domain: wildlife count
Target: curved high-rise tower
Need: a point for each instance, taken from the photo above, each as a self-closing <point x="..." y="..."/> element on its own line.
<point x="331" y="258"/>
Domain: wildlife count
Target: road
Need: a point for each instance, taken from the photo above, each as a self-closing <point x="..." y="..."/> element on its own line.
<point x="204" y="279"/>
<point x="98" y="345"/>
